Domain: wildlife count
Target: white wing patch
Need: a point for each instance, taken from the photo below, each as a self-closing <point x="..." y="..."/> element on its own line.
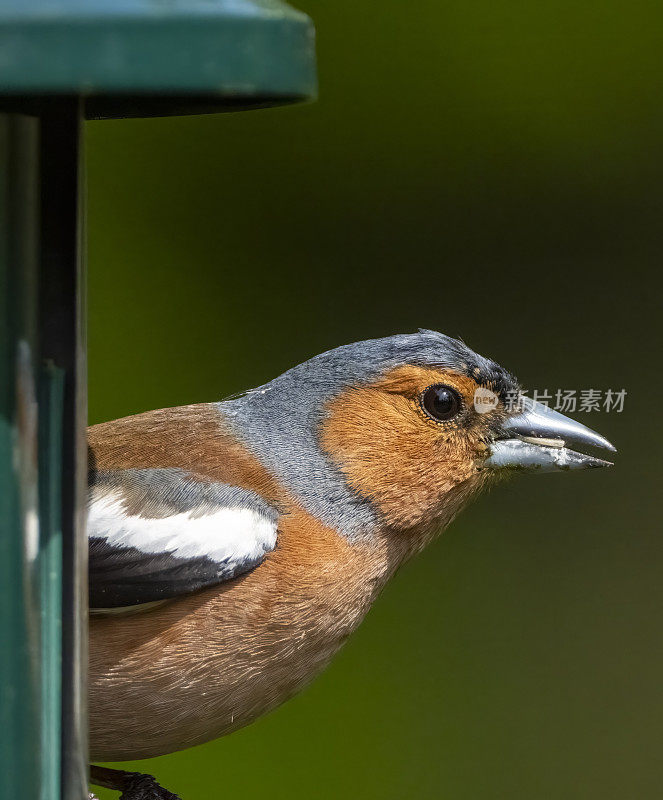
<point x="228" y="536"/>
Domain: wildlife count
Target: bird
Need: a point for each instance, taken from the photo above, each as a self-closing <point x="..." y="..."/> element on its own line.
<point x="234" y="546"/>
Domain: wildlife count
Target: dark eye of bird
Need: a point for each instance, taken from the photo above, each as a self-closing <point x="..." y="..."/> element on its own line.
<point x="442" y="403"/>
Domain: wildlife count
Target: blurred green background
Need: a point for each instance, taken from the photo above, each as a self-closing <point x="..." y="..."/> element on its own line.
<point x="492" y="170"/>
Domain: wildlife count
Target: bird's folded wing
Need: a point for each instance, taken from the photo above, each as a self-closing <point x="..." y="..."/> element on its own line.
<point x="155" y="534"/>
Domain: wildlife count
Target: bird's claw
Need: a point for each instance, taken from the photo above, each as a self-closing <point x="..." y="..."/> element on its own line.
<point x="132" y="785"/>
<point x="144" y="787"/>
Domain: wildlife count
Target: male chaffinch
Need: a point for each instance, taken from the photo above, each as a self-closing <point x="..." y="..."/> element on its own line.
<point x="234" y="546"/>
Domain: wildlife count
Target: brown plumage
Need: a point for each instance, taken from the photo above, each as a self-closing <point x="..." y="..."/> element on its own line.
<point x="206" y="664"/>
<point x="211" y="662"/>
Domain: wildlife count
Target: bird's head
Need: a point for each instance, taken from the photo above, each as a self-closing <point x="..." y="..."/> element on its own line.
<point x="401" y="432"/>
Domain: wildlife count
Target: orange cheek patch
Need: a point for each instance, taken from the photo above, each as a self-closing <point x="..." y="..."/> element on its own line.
<point x="409" y="466"/>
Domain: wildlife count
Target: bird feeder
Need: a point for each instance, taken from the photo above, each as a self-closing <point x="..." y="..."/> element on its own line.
<point x="61" y="62"/>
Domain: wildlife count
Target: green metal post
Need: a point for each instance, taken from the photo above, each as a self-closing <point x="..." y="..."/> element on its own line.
<point x="51" y="399"/>
<point x="19" y="545"/>
<point x="62" y="347"/>
<point x="42" y="457"/>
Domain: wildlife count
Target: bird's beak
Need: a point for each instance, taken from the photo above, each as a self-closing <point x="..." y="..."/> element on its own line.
<point x="536" y="437"/>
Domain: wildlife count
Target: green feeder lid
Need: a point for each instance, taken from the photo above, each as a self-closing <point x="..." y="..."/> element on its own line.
<point x="154" y="57"/>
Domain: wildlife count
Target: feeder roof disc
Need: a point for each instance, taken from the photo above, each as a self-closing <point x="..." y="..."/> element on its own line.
<point x="144" y="57"/>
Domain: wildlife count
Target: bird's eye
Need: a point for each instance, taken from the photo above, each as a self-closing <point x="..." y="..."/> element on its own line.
<point x="442" y="403"/>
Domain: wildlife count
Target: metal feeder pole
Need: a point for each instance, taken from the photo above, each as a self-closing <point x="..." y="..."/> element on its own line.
<point x="61" y="62"/>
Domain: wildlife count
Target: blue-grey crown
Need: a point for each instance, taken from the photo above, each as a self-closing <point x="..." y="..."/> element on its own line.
<point x="364" y="362"/>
